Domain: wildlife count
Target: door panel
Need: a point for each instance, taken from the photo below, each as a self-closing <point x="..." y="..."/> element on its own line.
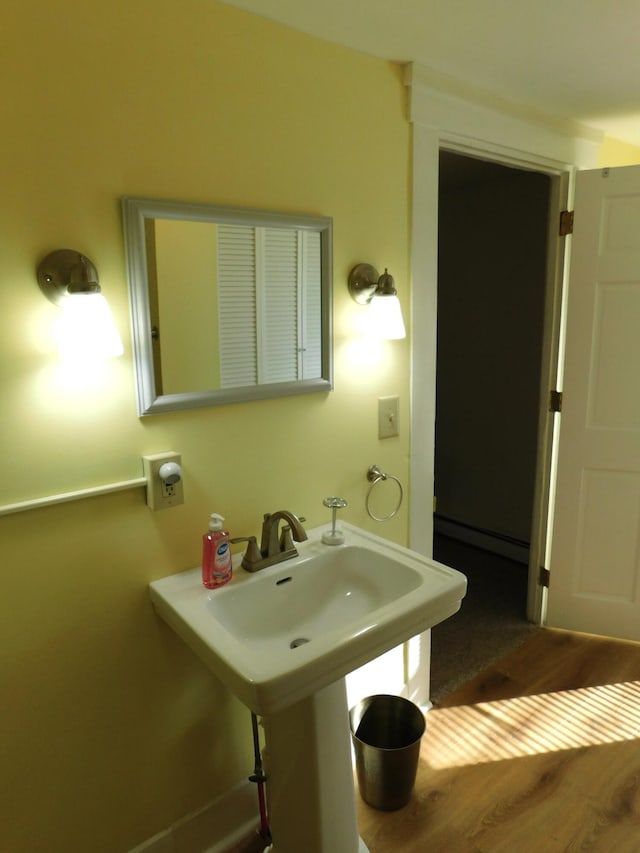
<point x="595" y="556"/>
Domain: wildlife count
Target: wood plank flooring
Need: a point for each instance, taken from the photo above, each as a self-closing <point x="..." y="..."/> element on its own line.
<point x="538" y="754"/>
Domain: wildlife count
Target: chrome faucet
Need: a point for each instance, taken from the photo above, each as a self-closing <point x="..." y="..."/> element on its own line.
<point x="274" y="547"/>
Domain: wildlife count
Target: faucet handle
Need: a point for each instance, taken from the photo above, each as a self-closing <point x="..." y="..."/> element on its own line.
<point x="244" y="539"/>
<point x="252" y="554"/>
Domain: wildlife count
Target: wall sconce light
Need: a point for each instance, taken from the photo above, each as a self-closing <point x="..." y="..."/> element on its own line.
<point x="69" y="280"/>
<point x="378" y="291"/>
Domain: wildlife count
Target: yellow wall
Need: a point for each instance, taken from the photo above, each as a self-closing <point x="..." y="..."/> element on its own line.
<point x="613" y="152"/>
<point x="111" y="729"/>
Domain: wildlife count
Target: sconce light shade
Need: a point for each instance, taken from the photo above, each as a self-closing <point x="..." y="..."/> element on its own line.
<point x="378" y="291"/>
<point x="70" y="280"/>
<point x="387" y="317"/>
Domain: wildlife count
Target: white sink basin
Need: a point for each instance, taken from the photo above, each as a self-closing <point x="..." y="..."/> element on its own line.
<point x="279" y="635"/>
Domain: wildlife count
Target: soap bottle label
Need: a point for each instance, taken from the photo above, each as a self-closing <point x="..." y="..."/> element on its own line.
<point x="222" y="562"/>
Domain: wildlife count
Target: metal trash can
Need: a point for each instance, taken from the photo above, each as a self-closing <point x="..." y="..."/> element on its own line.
<point x="386" y="733"/>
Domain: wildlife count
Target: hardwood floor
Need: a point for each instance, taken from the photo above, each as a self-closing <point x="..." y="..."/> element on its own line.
<point x="537" y="754"/>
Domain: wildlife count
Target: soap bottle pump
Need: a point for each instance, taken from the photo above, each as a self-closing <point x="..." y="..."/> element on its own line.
<point x="216" y="555"/>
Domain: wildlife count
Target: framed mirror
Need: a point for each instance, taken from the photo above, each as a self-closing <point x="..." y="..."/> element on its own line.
<point x="227" y="304"/>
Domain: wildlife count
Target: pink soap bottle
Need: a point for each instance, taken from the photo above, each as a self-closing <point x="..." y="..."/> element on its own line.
<point x="216" y="555"/>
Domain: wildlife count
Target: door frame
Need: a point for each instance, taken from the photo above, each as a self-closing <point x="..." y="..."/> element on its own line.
<point x="552" y="359"/>
<point x="446" y="115"/>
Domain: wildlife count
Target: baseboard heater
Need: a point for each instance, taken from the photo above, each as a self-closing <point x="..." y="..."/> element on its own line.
<point x="488" y="540"/>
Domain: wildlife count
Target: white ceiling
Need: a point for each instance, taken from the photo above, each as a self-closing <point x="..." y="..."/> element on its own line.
<point x="575" y="59"/>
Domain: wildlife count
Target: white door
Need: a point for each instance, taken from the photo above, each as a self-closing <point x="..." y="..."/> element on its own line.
<point x="595" y="554"/>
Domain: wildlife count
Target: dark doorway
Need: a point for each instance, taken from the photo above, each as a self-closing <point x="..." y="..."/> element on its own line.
<point x="492" y="255"/>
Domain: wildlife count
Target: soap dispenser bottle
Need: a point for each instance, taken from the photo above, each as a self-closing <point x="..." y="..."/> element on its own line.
<point x="216" y="555"/>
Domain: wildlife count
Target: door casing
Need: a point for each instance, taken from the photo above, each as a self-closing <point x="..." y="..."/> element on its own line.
<point x="476" y="127"/>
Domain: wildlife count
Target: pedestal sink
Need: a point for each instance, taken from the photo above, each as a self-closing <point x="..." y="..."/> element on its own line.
<point x="282" y="641"/>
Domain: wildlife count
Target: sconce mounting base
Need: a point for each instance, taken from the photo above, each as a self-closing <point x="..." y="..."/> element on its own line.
<point x="64" y="272"/>
<point x="362" y="282"/>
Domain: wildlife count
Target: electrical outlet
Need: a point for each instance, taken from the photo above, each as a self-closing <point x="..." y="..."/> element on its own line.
<point x="163" y="492"/>
<point x="388" y="417"/>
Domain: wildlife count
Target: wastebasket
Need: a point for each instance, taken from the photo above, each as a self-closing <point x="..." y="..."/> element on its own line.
<point x="386" y="733"/>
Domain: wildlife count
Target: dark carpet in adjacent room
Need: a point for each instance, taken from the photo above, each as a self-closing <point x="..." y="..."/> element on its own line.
<point x="491" y="621"/>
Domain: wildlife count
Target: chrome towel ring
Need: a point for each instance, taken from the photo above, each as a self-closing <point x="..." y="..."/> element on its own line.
<point x="375" y="476"/>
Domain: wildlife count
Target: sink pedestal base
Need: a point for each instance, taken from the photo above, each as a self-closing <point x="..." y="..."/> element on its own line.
<point x="310" y="786"/>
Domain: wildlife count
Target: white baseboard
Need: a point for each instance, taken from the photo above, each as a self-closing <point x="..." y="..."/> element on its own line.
<point x="481" y="539"/>
<point x="213" y="829"/>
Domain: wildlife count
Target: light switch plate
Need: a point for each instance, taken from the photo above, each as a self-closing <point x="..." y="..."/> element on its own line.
<point x="388" y="417"/>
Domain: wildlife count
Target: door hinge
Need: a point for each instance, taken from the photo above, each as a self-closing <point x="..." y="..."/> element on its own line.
<point x="555" y="401"/>
<point x="566" y="223"/>
<point x="544" y="577"/>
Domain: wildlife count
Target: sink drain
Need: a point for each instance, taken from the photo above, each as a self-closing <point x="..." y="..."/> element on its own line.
<point x="299" y="641"/>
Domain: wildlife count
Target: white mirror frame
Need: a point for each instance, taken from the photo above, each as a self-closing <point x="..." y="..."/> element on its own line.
<point x="135" y="211"/>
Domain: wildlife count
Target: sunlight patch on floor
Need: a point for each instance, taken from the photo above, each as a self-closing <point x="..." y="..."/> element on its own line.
<point x="532" y="725"/>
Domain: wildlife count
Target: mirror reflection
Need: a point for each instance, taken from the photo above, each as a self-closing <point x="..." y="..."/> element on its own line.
<point x="227" y="304"/>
